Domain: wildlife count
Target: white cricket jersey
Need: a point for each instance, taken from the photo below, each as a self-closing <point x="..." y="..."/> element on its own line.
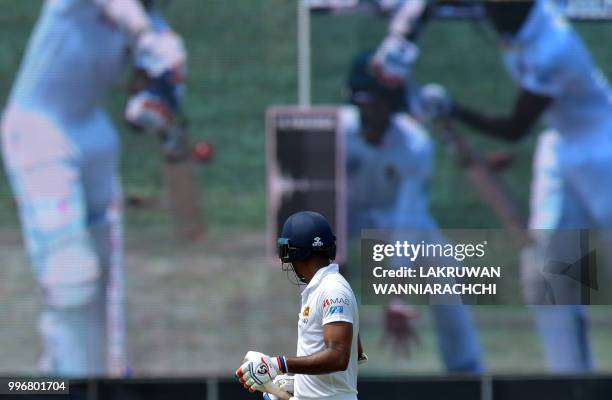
<point x="548" y="58"/>
<point x="327" y="298"/>
<point x="73" y="56"/>
<point x="388" y="184"/>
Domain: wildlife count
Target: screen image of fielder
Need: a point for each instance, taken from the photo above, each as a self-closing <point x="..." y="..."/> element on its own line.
<point x="305" y="168"/>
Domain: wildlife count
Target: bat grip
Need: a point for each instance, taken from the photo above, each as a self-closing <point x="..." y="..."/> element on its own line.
<point x="276" y="391"/>
<point x="175" y="144"/>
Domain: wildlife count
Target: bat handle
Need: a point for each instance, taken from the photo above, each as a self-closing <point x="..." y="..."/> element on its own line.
<point x="276" y="391"/>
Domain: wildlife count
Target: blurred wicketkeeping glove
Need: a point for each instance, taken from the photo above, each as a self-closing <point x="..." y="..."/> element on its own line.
<point x="393" y="60"/>
<point x="259" y="369"/>
<point x="284" y="382"/>
<point x="432" y="103"/>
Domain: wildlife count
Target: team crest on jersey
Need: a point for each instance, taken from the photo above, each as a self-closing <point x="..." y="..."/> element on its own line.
<point x="303" y="317"/>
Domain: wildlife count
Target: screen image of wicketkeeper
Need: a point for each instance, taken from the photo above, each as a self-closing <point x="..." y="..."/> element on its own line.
<point x="390" y="163"/>
<point x="61" y="154"/>
<point x="328" y="348"/>
<point x="571" y="184"/>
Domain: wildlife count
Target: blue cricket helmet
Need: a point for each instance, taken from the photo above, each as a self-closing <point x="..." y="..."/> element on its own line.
<point x="364" y="87"/>
<point x="306" y="233"/>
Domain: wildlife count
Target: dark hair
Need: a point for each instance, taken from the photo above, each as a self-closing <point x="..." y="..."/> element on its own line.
<point x="508" y="16"/>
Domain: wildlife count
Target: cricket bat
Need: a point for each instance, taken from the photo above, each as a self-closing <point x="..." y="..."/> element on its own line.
<point x="180" y="182"/>
<point x="180" y="185"/>
<point x="276" y="391"/>
<point x="492" y="191"/>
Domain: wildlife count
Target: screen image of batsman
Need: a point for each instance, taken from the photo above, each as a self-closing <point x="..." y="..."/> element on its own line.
<point x="61" y="154"/>
<point x="328" y="348"/>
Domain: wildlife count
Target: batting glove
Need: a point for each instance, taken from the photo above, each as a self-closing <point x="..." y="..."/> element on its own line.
<point x="433" y="102"/>
<point x="393" y="60"/>
<point x="160" y="52"/>
<point x="259" y="369"/>
<point x="154" y="108"/>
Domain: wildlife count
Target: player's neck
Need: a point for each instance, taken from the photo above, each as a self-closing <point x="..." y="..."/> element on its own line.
<point x="311" y="268"/>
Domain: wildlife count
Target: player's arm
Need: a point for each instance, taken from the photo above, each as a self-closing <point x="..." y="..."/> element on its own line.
<point x="160" y="60"/>
<point x="395" y="56"/>
<point x="409" y="19"/>
<point x="540" y="85"/>
<point x="162" y="48"/>
<point x="338" y="337"/>
<point x="130" y="15"/>
<point x="527" y="110"/>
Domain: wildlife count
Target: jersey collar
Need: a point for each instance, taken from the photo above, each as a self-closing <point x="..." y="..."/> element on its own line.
<point x="319" y="275"/>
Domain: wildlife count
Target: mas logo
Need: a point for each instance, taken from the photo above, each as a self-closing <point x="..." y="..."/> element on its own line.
<point x="336" y="301"/>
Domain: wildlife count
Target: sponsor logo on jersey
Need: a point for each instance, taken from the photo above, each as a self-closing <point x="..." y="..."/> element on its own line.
<point x="306" y="311"/>
<point x="336" y="310"/>
<point x="336" y="301"/>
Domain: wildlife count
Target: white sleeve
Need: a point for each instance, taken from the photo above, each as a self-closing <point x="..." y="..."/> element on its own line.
<point x="129" y="15"/>
<point x="544" y="69"/>
<point x="337" y="305"/>
<point x="545" y="79"/>
<point x="404" y="20"/>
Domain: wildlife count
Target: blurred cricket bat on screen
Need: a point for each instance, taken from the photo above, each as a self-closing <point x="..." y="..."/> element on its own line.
<point x="492" y="191"/>
<point x="180" y="182"/>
